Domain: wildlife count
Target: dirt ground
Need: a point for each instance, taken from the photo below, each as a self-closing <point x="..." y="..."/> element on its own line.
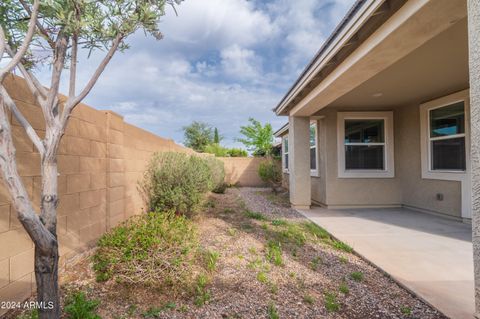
<point x="314" y="279"/>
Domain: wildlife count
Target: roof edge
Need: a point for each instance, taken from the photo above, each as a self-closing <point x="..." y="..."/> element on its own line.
<point x="281" y="130"/>
<point x="330" y="42"/>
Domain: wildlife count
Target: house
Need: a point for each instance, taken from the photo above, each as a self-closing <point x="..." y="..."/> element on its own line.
<point x="383" y="112"/>
<point x="387" y="113"/>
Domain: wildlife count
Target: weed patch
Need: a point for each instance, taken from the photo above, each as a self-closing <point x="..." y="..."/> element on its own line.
<point x="274" y="253"/>
<point x="315" y="263"/>
<point x="406" y="310"/>
<point x="262" y="277"/>
<point x="272" y="311"/>
<point x="343" y="259"/>
<point x="315" y="230"/>
<point x="151" y="249"/>
<point x="309" y="299"/>
<point x="331" y="303"/>
<point x="339" y="245"/>
<point x="343" y="288"/>
<point x="279" y="222"/>
<point x="255" y="215"/>
<point x="78" y="306"/>
<point x="211" y="258"/>
<point x="357" y="276"/>
<point x="202" y="293"/>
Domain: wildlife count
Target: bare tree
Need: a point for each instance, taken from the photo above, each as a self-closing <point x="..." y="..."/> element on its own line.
<point x="53" y="32"/>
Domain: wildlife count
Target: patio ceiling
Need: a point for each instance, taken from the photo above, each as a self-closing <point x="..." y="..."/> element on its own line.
<point x="437" y="68"/>
<point x="411" y="28"/>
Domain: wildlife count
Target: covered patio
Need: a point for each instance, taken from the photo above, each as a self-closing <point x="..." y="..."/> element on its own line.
<point x="427" y="254"/>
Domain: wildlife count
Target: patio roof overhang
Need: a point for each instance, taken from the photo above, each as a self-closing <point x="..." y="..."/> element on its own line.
<point x="411" y="26"/>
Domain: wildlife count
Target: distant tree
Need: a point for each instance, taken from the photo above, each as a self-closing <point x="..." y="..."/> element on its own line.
<point x="237" y="152"/>
<point x="258" y="138"/>
<point x="216" y="137"/>
<point x="198" y="135"/>
<point x="216" y="149"/>
<point x="55" y="32"/>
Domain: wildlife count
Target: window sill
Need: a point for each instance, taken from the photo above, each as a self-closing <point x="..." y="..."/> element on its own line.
<point x="366" y="174"/>
<point x="445" y="175"/>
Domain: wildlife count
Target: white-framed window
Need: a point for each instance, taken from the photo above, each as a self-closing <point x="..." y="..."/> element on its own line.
<point x="313" y="148"/>
<point x="445" y="142"/>
<point x="445" y="136"/>
<point x="285" y="153"/>
<point x="365" y="145"/>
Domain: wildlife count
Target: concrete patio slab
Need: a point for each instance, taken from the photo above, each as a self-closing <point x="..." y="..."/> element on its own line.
<point x="430" y="255"/>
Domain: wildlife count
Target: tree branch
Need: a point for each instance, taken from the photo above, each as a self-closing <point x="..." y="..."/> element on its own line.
<point x="73" y="67"/>
<point x="3" y="43"/>
<point x="37" y="231"/>
<point x="26" y="43"/>
<point x="22" y="120"/>
<point x="58" y="66"/>
<point x="37" y="89"/>
<point x="72" y="102"/>
<point x="41" y="29"/>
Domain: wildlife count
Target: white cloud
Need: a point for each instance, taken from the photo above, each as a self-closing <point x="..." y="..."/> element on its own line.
<point x="221" y="61"/>
<point x="240" y="63"/>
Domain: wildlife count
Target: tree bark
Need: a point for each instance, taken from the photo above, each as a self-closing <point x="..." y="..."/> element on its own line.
<point x="42" y="230"/>
<point x="46" y="275"/>
<point x="46" y="264"/>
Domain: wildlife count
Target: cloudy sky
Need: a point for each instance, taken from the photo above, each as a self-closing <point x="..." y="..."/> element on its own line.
<point x="221" y="62"/>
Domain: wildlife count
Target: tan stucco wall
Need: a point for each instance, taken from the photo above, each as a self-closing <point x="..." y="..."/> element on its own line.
<point x="406" y="188"/>
<point x="100" y="160"/>
<point x="418" y="192"/>
<point x="354" y="191"/>
<point x="242" y="171"/>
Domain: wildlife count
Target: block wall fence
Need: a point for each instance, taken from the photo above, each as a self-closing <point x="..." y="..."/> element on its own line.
<point x="101" y="159"/>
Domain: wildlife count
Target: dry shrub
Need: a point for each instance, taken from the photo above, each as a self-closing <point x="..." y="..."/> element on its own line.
<point x="156" y="250"/>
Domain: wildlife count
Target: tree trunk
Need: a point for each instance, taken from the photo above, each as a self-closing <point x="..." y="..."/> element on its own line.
<point x="46" y="274"/>
<point x="46" y="263"/>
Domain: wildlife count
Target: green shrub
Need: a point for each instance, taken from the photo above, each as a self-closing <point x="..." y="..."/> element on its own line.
<point x="176" y="181"/>
<point x="151" y="249"/>
<point x="270" y="172"/>
<point x="237" y="152"/>
<point x="216" y="149"/>
<point x="77" y="306"/>
<point x="217" y="171"/>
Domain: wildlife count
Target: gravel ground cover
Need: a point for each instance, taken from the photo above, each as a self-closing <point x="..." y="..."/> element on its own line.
<point x="269" y="266"/>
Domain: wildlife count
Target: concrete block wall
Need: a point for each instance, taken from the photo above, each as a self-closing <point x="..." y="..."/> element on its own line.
<point x="242" y="171"/>
<point x="100" y="161"/>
